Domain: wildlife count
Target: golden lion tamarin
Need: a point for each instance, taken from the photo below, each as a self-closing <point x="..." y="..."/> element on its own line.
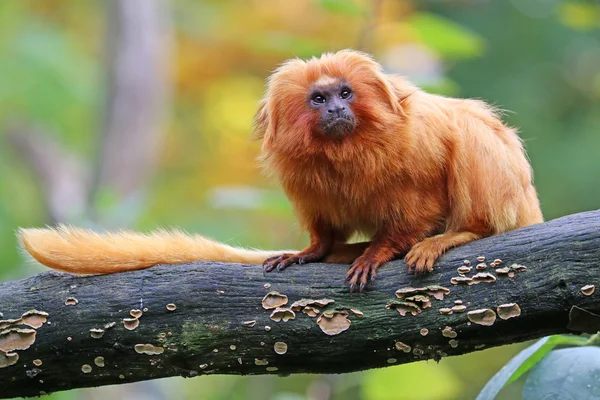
<point x="356" y="151"/>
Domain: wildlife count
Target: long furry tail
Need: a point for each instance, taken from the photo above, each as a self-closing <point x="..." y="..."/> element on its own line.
<point x="82" y="251"/>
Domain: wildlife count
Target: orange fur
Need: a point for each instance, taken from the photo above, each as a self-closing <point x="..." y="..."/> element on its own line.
<point x="83" y="251"/>
<point x="420" y="173"/>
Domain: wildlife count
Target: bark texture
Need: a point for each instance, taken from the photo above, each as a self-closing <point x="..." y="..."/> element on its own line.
<point x="208" y="331"/>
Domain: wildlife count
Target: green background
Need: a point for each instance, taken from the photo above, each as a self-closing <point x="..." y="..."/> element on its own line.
<point x="539" y="60"/>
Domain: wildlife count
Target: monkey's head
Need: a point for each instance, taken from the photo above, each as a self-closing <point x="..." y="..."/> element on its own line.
<point x="324" y="103"/>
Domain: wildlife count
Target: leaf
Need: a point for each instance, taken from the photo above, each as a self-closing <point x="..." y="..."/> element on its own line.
<point x="523" y="362"/>
<point x="566" y="374"/>
<point x="445" y="37"/>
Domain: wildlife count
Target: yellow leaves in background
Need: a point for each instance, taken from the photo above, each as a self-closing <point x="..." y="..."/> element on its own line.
<point x="230" y="104"/>
<point x="579" y="15"/>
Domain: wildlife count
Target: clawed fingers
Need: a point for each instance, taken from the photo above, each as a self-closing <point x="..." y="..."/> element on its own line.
<point x="279" y="262"/>
<point x="419" y="261"/>
<point x="360" y="274"/>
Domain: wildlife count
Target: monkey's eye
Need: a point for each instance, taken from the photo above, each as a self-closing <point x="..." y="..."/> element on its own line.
<point x="318" y="99"/>
<point x="345" y="94"/>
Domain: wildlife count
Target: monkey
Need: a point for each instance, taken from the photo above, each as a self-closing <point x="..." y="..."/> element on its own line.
<point x="357" y="151"/>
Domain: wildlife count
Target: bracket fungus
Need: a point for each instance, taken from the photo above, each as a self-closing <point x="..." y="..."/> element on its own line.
<point x="135" y="313"/>
<point x="7" y="359"/>
<point x="483" y="277"/>
<point x="16" y="339"/>
<point x="511" y="269"/>
<point x="131" y="323"/>
<point x="484" y="316"/>
<point x="280" y="348"/>
<point x="445" y="311"/>
<point x="588" y="290"/>
<point x="34" y="318"/>
<point x="86" y="368"/>
<point x="171" y="307"/>
<point x="99" y="361"/>
<point x="438" y="292"/>
<point x="463" y="270"/>
<point x="424" y="332"/>
<point x="10" y="322"/>
<point x="249" y="324"/>
<point x="459" y="308"/>
<point x="300" y="304"/>
<point x="310" y="311"/>
<point x="449" y="332"/>
<point x="481" y="259"/>
<point x="402" y="347"/>
<point x="408" y="291"/>
<point x="457" y="280"/>
<point x="481" y="266"/>
<point x="284" y="314"/>
<point x="518" y="267"/>
<point x="274" y="300"/>
<point x="495" y="263"/>
<point x="422" y="301"/>
<point x="404" y="307"/>
<point x="260" y="362"/>
<point x="96" y="333"/>
<point x="149" y="349"/>
<point x="334" y="323"/>
<point x="509" y="310"/>
<point x="71" y="301"/>
<point x="358" y="313"/>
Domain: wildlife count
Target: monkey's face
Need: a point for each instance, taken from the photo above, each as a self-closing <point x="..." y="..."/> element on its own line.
<point x="333" y="102"/>
<point x="344" y="96"/>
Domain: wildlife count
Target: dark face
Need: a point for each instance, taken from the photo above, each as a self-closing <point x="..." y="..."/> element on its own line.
<point x="336" y="118"/>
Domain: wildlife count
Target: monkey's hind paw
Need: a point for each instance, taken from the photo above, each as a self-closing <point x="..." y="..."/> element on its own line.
<point x="283" y="261"/>
<point x="360" y="273"/>
<point x="421" y="258"/>
<point x="280" y="262"/>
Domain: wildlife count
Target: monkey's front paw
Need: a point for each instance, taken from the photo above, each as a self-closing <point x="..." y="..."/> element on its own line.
<point x="361" y="271"/>
<point x="421" y="257"/>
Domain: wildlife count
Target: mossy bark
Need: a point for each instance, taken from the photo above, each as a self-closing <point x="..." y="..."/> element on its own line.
<point x="206" y="333"/>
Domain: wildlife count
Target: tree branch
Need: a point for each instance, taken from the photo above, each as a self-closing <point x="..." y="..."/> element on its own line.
<point x="62" y="175"/>
<point x="206" y="333"/>
<point x="139" y="39"/>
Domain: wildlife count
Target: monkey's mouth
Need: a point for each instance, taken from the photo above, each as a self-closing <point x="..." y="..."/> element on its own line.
<point x="338" y="126"/>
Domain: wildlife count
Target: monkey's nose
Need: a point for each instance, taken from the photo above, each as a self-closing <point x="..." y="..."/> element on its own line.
<point x="336" y="110"/>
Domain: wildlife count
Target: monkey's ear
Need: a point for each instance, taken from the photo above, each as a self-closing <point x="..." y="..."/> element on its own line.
<point x="264" y="125"/>
<point x="391" y="94"/>
<point x="401" y="89"/>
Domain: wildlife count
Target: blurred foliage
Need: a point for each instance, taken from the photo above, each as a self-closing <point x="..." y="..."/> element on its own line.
<point x="539" y="60"/>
